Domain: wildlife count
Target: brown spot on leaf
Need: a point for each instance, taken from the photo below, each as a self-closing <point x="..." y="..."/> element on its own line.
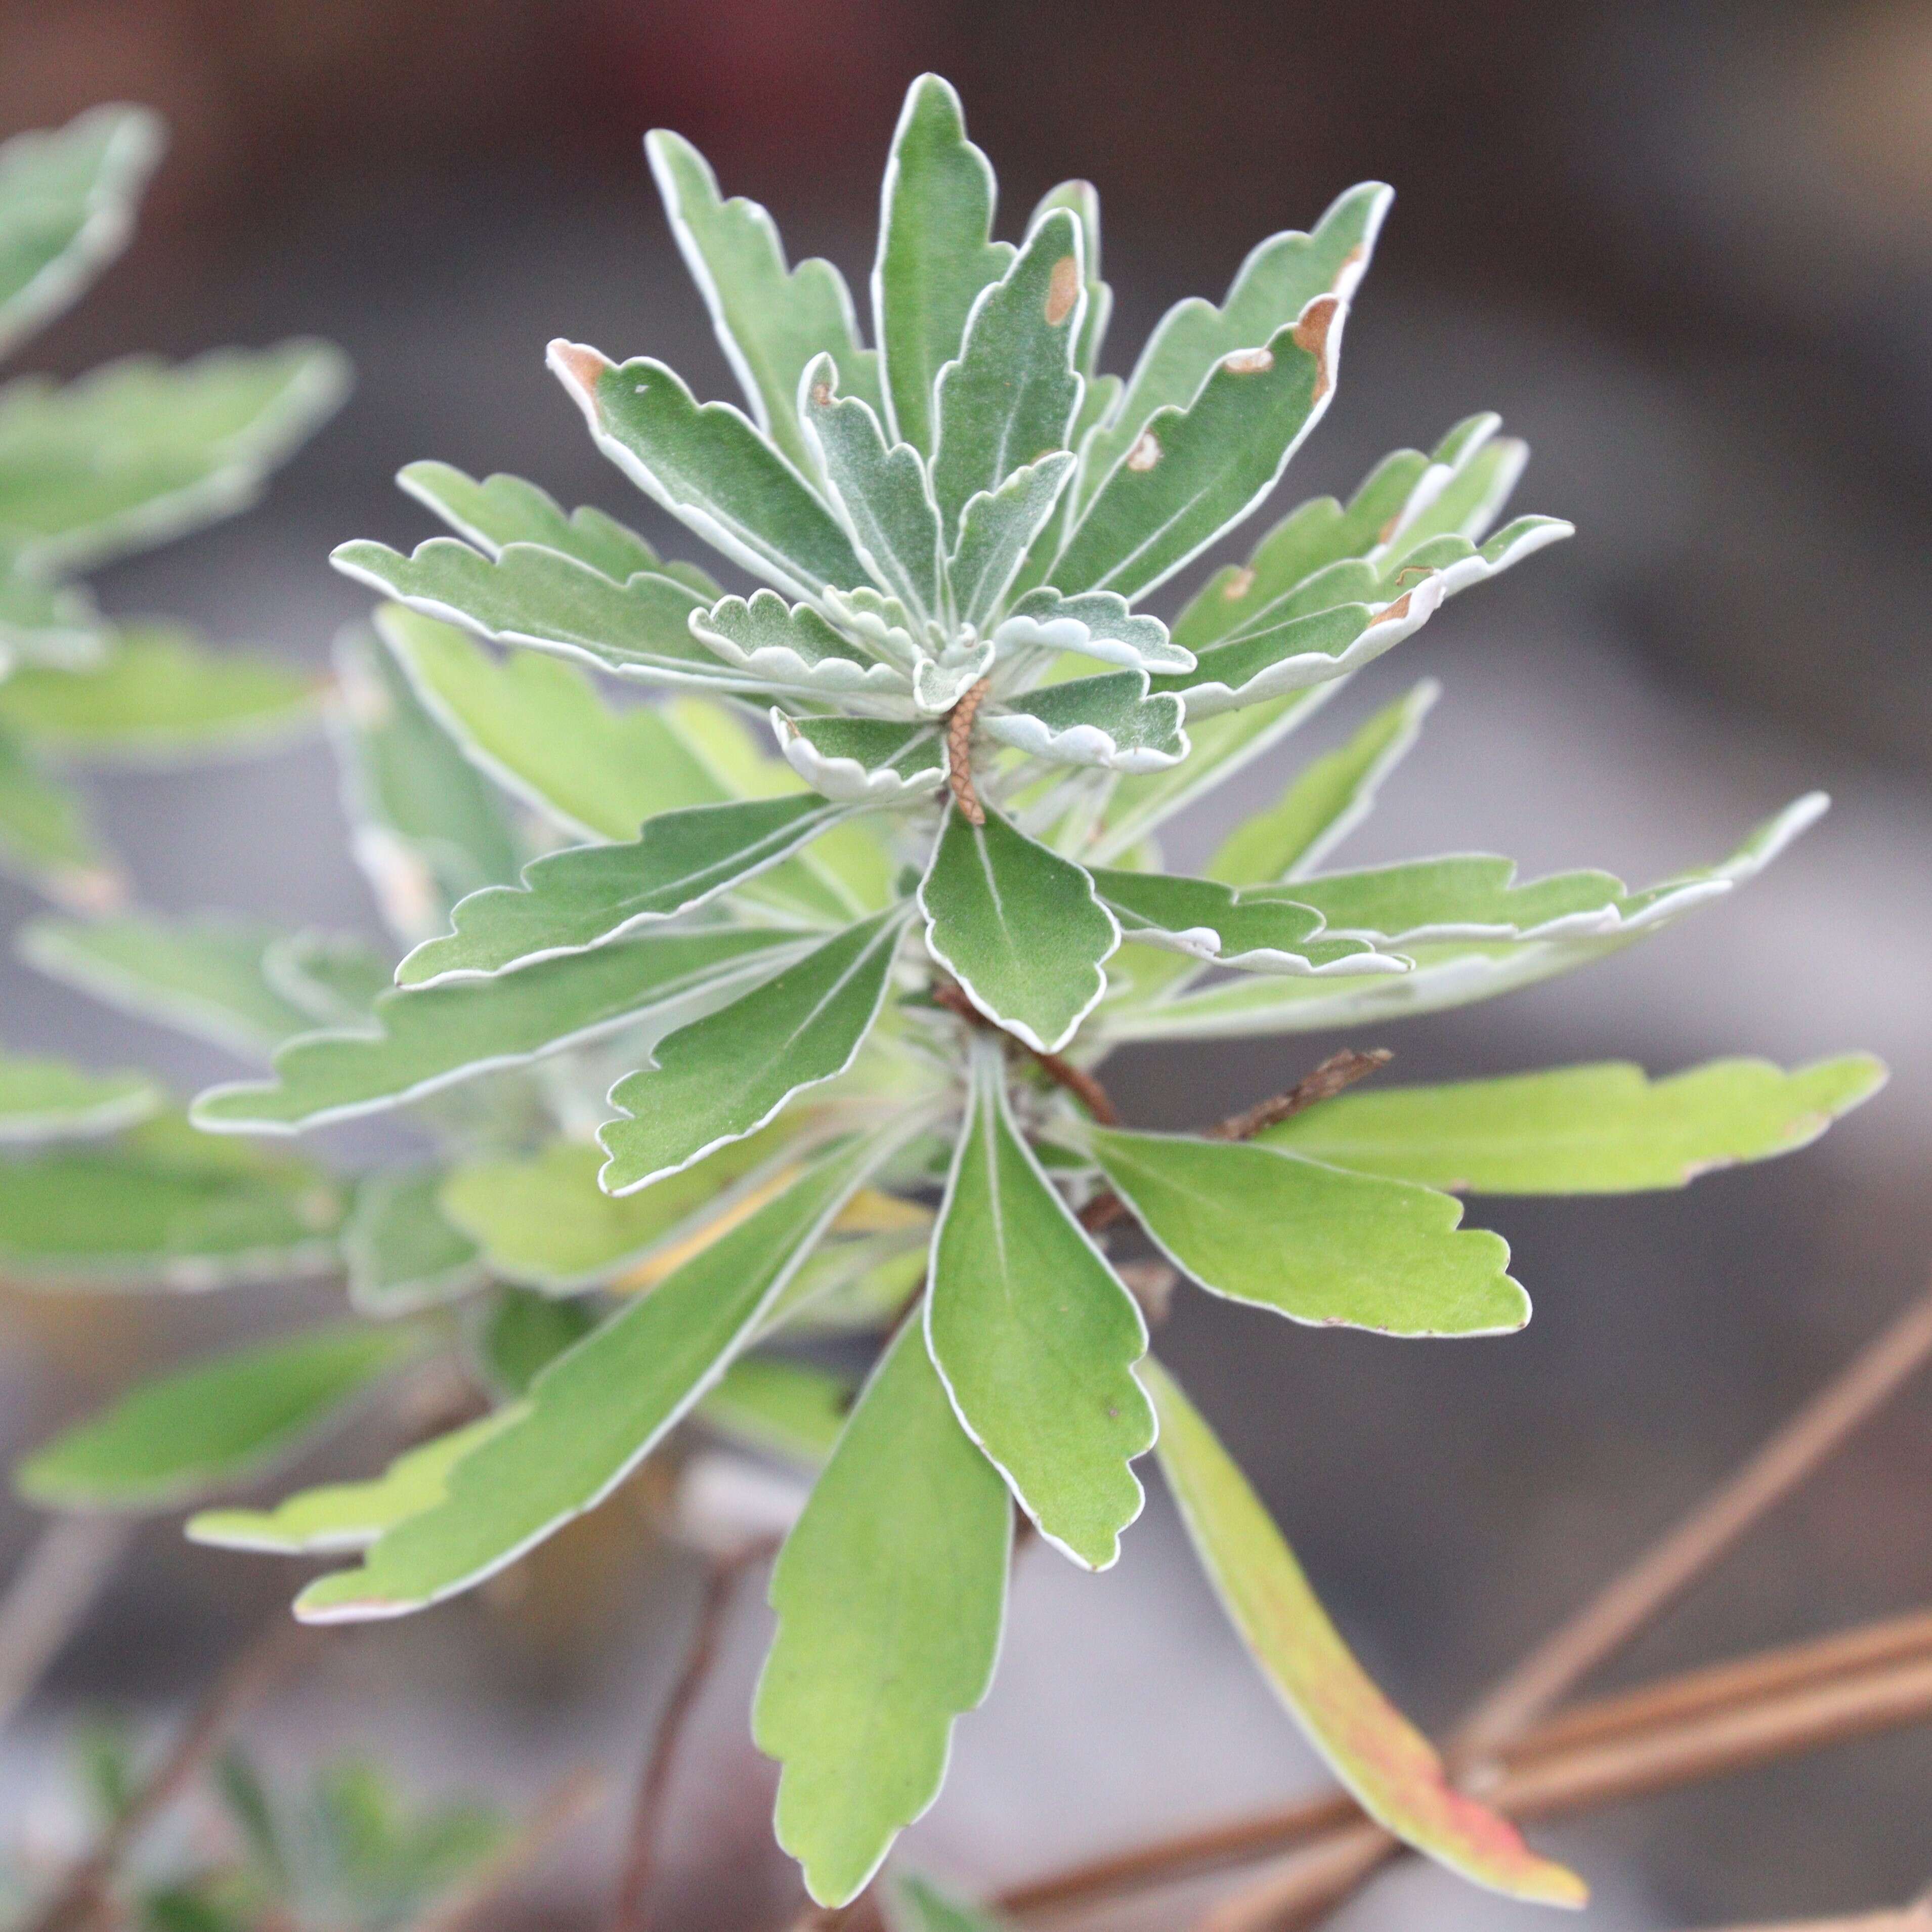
<point x="1311" y="337"/>
<point x="1350" y="260"/>
<point x="578" y="366"/>
<point x="1248" y="362"/>
<point x="821" y="395"/>
<point x="1397" y="611"/>
<point x="1062" y="291"/>
<point x="1146" y="452"/>
<point x="1239" y="585"/>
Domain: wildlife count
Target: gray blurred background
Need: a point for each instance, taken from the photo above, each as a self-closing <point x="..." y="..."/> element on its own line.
<point x="1686" y="251"/>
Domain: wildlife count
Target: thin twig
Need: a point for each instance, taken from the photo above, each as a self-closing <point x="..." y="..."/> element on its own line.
<point x="628" y="1911"/>
<point x="566" y="1803"/>
<point x="1338" y="1071"/>
<point x="1077" y="1082"/>
<point x="1642" y="1712"/>
<point x="81" y="1900"/>
<point x="1912" y="1919"/>
<point x="959" y="751"/>
<point x="50" y="1597"/>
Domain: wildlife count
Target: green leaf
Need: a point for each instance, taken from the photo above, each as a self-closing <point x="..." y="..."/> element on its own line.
<point x="1248" y="931"/>
<point x="204" y="1428"/>
<point x="1035" y="1336"/>
<point x="43" y="623"/>
<point x="1327" y="800"/>
<point x="544" y="1221"/>
<point x="891" y="1593"/>
<point x="504" y="510"/>
<point x="1098" y="625"/>
<point x="340" y="1516"/>
<point x="1108" y="720"/>
<point x="915" y="1904"/>
<point x="164" y="1206"/>
<point x="203" y="975"/>
<point x="1259" y="1225"/>
<point x="521" y="1334"/>
<point x="572" y="901"/>
<point x="934" y="254"/>
<point x="596" y="1411"/>
<point x="1272" y="288"/>
<point x="771" y="646"/>
<point x="159" y="695"/>
<point x="1009" y="397"/>
<point x="1018" y="927"/>
<point x="881" y="493"/>
<point x="538" y="728"/>
<point x="332" y="976"/>
<point x="772" y="321"/>
<point x="67" y="209"/>
<point x="43" y="1100"/>
<point x="870" y="761"/>
<point x="997" y="529"/>
<point x="710" y="468"/>
<point x="401" y="1252"/>
<point x="1193" y="472"/>
<point x="1389" y="1766"/>
<point x="1082" y="199"/>
<point x="531" y="595"/>
<point x="426" y="827"/>
<point x="725" y="1075"/>
<point x="45" y="837"/>
<point x="1601" y="1129"/>
<point x="789" y="1409"/>
<point x="430" y="1037"/>
<point x="138" y="452"/>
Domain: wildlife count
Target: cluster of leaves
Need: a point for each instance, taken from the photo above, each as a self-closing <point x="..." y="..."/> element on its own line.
<point x="349" y="1853"/>
<point x="841" y="999"/>
<point x="128" y="456"/>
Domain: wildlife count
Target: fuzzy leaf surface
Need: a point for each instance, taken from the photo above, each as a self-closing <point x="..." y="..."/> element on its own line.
<point x="997" y="530"/>
<point x="139" y="451"/>
<point x="772" y="320"/>
<point x="1035" y="1337"/>
<point x="178" y="1437"/>
<point x="935" y="255"/>
<point x="429" y="1037"/>
<point x="775" y="646"/>
<point x="588" y="895"/>
<point x="707" y="465"/>
<point x="1220" y="926"/>
<point x="165" y="1207"/>
<point x="891" y="1595"/>
<point x="1326" y="800"/>
<point x="862" y="761"/>
<point x="1008" y="398"/>
<point x="502" y="510"/>
<point x="1108" y="720"/>
<point x="1598" y="1129"/>
<point x="725" y="1075"/>
<point x="1097" y="624"/>
<point x="1272" y="287"/>
<point x="595" y="1412"/>
<point x="1390" y="1767"/>
<point x="1019" y="927"/>
<point x="1312" y="1242"/>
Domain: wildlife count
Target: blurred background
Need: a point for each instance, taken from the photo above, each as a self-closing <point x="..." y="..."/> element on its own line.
<point x="1686" y="251"/>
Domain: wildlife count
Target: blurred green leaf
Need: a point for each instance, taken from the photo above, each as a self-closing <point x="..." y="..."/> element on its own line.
<point x="401" y="1252"/>
<point x="43" y="1099"/>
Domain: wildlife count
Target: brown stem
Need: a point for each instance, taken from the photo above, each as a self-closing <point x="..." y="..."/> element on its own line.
<point x="1671" y="1701"/>
<point x="959" y="751"/>
<point x="81" y="1901"/>
<point x="1912" y="1919"/>
<point x="1077" y="1080"/>
<point x="1338" y="1071"/>
<point x="464" y="1902"/>
<point x="628" y="1911"/>
<point x="50" y="1596"/>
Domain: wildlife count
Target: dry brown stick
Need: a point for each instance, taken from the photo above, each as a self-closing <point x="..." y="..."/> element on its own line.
<point x="1082" y="1085"/>
<point x="50" y="1595"/>
<point x="81" y="1900"/>
<point x="1338" y="1071"/>
<point x="566" y="1803"/>
<point x="1912" y="1919"/>
<point x="959" y="751"/>
<point x="1718" y="1745"/>
<point x="1670" y="1701"/>
<point x="629" y="1910"/>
